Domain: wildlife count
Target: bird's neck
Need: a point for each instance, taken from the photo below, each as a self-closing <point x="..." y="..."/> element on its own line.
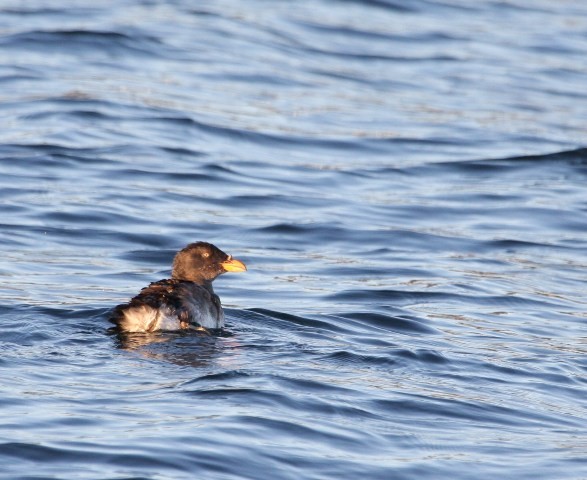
<point x="181" y="274"/>
<point x="207" y="284"/>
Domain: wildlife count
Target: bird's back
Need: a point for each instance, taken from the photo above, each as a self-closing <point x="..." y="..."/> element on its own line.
<point x="170" y="305"/>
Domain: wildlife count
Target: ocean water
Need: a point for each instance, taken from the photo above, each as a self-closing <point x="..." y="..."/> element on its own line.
<point x="406" y="181"/>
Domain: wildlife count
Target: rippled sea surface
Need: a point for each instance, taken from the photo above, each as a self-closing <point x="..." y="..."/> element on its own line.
<point x="406" y="181"/>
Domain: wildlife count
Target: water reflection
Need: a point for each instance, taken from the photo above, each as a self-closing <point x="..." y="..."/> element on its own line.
<point x="194" y="348"/>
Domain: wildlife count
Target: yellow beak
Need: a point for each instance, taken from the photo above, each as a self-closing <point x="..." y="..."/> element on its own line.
<point x="234" y="265"/>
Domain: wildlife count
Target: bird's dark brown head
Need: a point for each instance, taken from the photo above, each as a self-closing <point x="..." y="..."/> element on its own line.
<point x="202" y="262"/>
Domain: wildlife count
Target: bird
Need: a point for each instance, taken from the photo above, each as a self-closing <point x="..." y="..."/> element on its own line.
<point x="184" y="301"/>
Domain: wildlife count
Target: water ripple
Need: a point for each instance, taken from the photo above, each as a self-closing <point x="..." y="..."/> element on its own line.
<point x="405" y="182"/>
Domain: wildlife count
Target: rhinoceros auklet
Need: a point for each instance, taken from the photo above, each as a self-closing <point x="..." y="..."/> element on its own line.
<point x="184" y="301"/>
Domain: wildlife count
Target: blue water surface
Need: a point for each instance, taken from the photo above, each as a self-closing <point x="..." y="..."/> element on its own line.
<point x="406" y="181"/>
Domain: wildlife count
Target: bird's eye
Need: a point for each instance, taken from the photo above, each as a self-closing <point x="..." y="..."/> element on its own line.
<point x="205" y="254"/>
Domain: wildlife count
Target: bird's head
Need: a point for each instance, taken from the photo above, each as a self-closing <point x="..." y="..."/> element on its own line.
<point x="202" y="262"/>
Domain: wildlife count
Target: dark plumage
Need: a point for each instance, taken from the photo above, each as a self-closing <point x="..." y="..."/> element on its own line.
<point x="186" y="300"/>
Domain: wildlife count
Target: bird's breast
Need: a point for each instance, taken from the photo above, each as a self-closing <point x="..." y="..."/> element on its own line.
<point x="204" y="309"/>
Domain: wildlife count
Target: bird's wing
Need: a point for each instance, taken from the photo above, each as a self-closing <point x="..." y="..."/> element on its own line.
<point x="186" y="301"/>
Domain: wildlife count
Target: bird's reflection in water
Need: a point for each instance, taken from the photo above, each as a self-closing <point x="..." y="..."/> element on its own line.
<point x="187" y="348"/>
